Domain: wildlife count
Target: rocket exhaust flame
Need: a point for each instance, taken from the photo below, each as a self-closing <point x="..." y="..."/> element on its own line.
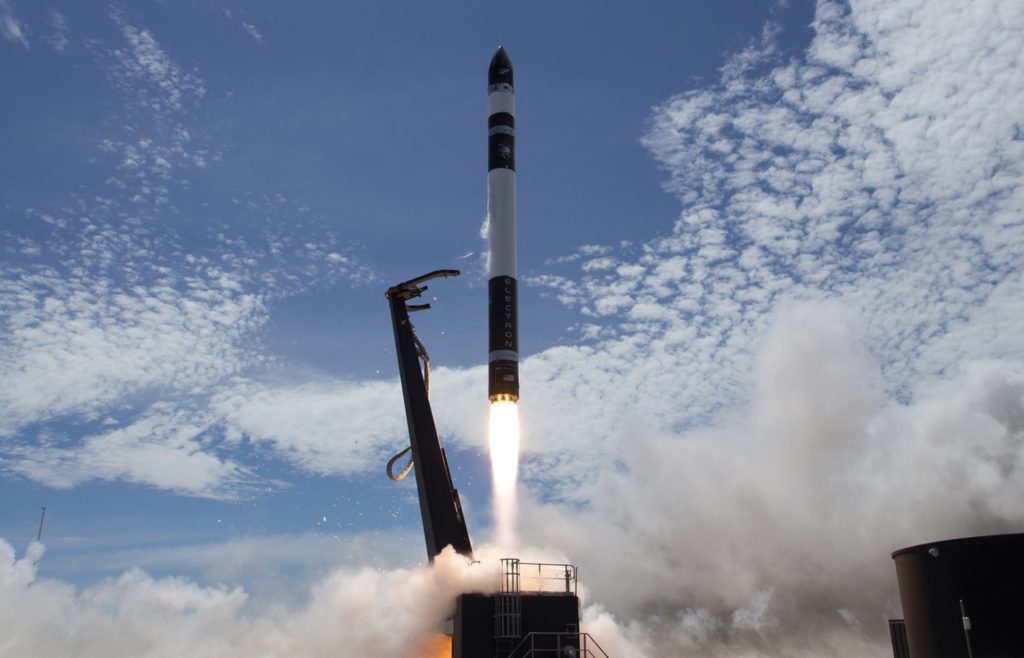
<point x="504" y="445"/>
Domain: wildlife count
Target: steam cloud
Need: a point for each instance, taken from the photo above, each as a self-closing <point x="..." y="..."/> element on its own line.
<point x="767" y="535"/>
<point x="770" y="534"/>
<point x="350" y="613"/>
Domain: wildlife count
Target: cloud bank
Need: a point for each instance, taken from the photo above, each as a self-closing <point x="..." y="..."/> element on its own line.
<point x="118" y="327"/>
<point x="839" y="175"/>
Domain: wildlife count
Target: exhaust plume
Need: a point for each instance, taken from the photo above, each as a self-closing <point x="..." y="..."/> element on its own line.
<point x="504" y="444"/>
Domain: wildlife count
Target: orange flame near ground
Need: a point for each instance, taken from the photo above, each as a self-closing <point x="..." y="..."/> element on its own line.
<point x="436" y="646"/>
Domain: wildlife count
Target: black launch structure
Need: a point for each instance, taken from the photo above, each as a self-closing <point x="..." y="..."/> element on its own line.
<point x="443" y="522"/>
<point x="536" y="610"/>
<point x="961" y="598"/>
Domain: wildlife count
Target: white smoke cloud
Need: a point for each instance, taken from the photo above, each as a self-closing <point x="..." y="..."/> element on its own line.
<point x="362" y="612"/>
<point x="770" y="533"/>
<point x="357" y="612"/>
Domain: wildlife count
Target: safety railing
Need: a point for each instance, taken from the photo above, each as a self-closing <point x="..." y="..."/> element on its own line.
<point x="545" y="578"/>
<point x="558" y="645"/>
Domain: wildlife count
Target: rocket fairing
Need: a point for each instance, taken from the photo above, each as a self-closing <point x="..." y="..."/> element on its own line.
<point x="503" y="311"/>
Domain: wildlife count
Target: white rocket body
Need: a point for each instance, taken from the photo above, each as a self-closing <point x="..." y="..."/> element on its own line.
<point x="503" y="312"/>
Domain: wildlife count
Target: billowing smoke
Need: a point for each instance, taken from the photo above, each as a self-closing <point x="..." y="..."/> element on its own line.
<point x="770" y="534"/>
<point x="360" y="613"/>
<point x="349" y="613"/>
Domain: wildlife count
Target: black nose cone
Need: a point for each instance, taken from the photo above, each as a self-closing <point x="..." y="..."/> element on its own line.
<point x="500" y="73"/>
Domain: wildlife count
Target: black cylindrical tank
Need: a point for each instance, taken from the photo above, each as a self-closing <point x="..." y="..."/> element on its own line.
<point x="986" y="574"/>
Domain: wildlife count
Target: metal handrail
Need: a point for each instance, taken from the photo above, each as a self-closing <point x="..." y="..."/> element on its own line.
<point x="542" y="574"/>
<point x="583" y="645"/>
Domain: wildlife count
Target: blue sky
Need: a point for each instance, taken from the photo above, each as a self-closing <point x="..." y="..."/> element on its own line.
<point x="771" y="261"/>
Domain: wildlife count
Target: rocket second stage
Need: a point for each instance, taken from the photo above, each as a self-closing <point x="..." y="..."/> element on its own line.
<point x="503" y="304"/>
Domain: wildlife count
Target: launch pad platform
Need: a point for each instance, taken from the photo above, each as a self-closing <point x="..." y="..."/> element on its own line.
<point x="535" y="614"/>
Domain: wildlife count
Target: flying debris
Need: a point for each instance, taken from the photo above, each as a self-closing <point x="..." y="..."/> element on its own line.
<point x="503" y="311"/>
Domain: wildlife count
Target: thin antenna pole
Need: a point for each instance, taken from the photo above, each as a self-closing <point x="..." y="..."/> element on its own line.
<point x="967" y="628"/>
<point x="42" y="517"/>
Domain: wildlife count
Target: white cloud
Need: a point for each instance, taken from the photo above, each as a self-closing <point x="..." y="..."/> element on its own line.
<point x="146" y="69"/>
<point x="164" y="449"/>
<point x="75" y="341"/>
<point x="104" y="310"/>
<point x="252" y="31"/>
<point x="330" y="427"/>
<point x="151" y="151"/>
<point x="333" y="426"/>
<point x="845" y="174"/>
<point x="11" y="27"/>
<point x="103" y="319"/>
<point x="799" y="182"/>
<point x="59" y="36"/>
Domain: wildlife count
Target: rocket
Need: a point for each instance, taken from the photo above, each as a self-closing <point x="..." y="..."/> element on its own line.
<point x="503" y="312"/>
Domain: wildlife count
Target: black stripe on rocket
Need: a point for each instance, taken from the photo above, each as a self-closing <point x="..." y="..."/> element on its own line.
<point x="501" y="141"/>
